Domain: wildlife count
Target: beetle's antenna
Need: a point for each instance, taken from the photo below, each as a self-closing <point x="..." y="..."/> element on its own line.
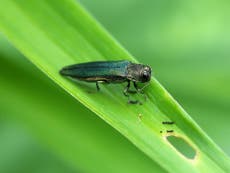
<point x="144" y="86"/>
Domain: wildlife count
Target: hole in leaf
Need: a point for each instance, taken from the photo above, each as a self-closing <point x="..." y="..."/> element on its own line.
<point x="182" y="146"/>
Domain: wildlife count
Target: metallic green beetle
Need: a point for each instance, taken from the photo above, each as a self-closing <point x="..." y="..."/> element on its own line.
<point x="110" y="72"/>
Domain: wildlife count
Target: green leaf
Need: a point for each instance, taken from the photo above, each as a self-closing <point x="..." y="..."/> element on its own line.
<point x="53" y="34"/>
<point x="74" y="133"/>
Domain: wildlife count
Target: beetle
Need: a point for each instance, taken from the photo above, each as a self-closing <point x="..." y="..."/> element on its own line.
<point x="110" y="72"/>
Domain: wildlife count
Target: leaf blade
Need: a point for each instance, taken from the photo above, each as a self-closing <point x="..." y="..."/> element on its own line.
<point x="53" y="47"/>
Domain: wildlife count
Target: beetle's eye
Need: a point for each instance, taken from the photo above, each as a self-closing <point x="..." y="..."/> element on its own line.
<point x="145" y="75"/>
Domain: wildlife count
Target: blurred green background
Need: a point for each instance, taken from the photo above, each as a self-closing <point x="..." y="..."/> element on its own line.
<point x="186" y="43"/>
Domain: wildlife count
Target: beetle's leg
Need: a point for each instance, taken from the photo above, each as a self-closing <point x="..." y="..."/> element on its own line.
<point x="130" y="91"/>
<point x="136" y="87"/>
<point x="97" y="85"/>
<point x="126" y="91"/>
<point x="138" y="90"/>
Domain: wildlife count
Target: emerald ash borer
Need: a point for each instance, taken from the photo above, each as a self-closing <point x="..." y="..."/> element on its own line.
<point x="110" y="72"/>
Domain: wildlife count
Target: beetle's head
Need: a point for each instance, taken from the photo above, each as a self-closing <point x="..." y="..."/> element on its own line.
<point x="139" y="73"/>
